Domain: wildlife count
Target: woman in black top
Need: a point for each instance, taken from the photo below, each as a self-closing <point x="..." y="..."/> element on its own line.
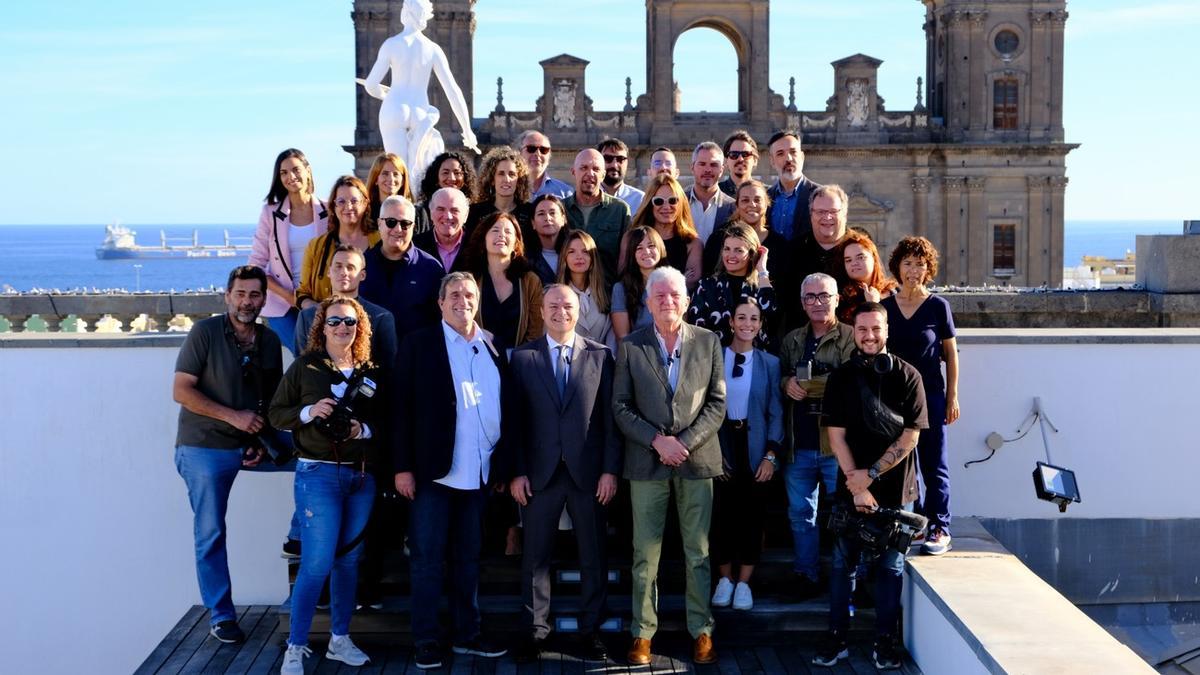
<point x="665" y="208"/>
<point x="503" y="186"/>
<point x="742" y="274"/>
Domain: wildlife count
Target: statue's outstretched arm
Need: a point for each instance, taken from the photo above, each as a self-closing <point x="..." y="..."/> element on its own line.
<point x="374" y="82"/>
<point x="454" y="95"/>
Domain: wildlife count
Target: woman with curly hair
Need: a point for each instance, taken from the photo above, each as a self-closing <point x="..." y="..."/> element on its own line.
<point x="388" y="177"/>
<point x="741" y="274"/>
<point x="666" y="209"/>
<point x="510" y="294"/>
<point x="579" y="267"/>
<point x="643" y="251"/>
<point x="349" y="224"/>
<point x="503" y="187"/>
<point x="921" y="331"/>
<point x="334" y="485"/>
<point x="860" y="277"/>
<point x="449" y="169"/>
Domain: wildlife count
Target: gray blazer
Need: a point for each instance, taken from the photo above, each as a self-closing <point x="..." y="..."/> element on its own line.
<point x="578" y="430"/>
<point x="643" y="405"/>
<point x="764" y="418"/>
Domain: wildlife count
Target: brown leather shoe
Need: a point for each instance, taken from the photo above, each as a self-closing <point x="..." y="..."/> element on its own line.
<point x="639" y="652"/>
<point x="703" y="652"/>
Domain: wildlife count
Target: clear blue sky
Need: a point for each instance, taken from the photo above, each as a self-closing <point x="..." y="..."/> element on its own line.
<point x="172" y="112"/>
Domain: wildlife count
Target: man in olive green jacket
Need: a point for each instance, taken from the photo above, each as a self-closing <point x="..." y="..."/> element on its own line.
<point x="669" y="401"/>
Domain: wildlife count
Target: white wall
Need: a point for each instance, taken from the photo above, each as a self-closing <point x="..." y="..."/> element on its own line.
<point x="1125" y="415"/>
<point x="97" y="527"/>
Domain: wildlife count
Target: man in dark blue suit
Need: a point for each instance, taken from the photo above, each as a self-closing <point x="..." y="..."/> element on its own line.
<point x="568" y="454"/>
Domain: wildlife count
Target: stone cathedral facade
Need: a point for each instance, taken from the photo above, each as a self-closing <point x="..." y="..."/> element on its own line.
<point x="978" y="164"/>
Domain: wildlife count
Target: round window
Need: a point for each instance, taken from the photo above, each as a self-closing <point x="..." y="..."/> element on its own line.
<point x="1007" y="42"/>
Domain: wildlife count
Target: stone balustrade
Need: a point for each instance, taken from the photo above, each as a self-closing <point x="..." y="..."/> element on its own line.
<point x="107" y="312"/>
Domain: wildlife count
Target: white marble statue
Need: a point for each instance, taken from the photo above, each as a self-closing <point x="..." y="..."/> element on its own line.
<point x="857" y="108"/>
<point x="564" y="104"/>
<point x="406" y="120"/>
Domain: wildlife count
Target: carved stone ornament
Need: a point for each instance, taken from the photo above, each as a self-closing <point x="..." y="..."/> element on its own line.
<point x="857" y="108"/>
<point x="564" y="104"/>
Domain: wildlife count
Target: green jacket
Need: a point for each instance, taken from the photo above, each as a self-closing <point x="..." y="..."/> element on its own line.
<point x="607" y="224"/>
<point x="833" y="349"/>
<point x="307" y="381"/>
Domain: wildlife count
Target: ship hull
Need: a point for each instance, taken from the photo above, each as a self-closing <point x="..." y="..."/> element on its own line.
<point x="175" y="254"/>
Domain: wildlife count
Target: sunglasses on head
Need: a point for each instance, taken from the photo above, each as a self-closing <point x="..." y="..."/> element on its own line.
<point x="542" y="149"/>
<point x="738" y="154"/>
<point x="389" y="223"/>
<point x="339" y="320"/>
<point x="659" y="201"/>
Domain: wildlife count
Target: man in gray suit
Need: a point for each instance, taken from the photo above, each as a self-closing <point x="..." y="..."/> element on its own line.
<point x="568" y="453"/>
<point x="669" y="401"/>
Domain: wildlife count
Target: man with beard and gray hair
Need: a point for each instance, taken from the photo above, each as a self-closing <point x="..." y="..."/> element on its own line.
<point x="710" y="207"/>
<point x="788" y="216"/>
<point x="616" y="162"/>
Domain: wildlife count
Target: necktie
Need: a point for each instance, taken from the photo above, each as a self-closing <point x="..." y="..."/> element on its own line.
<point x="561" y="376"/>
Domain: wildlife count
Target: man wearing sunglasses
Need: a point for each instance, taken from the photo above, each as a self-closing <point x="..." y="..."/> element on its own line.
<point x="401" y="277"/>
<point x="616" y="162"/>
<point x="346" y="273"/>
<point x="807" y="355"/>
<point x="663" y="162"/>
<point x="534" y="146"/>
<point x="741" y="158"/>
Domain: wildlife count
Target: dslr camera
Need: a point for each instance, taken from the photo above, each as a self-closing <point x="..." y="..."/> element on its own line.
<point x="336" y="426"/>
<point x="878" y="531"/>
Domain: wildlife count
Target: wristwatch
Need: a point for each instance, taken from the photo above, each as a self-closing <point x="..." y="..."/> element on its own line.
<point x="873" y="473"/>
<point x="770" y="457"/>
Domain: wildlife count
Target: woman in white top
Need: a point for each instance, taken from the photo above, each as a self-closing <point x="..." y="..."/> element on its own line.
<point x="579" y="267"/>
<point x="291" y="216"/>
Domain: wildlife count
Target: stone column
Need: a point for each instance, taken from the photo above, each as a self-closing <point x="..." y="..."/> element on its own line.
<point x="953" y="271"/>
<point x="1037" y="256"/>
<point x="1054" y="92"/>
<point x="978" y="267"/>
<point x="920" y="188"/>
<point x="1055" y="217"/>
<point x="978" y="96"/>
<point x="957" y="83"/>
<point x="1038" y="89"/>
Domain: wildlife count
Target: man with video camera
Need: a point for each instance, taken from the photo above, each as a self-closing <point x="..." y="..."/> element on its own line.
<point x="874" y="410"/>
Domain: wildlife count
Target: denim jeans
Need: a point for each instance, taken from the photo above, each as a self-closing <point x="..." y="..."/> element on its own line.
<point x="285" y="327"/>
<point x="335" y="502"/>
<point x="445" y="519"/>
<point x="209" y="474"/>
<point x="803" y="476"/>
<point x="889" y="572"/>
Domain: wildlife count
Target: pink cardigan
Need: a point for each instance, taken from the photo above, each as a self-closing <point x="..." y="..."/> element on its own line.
<point x="270" y="250"/>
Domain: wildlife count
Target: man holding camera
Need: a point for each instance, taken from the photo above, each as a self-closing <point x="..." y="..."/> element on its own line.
<point x="874" y="410"/>
<point x="226" y="372"/>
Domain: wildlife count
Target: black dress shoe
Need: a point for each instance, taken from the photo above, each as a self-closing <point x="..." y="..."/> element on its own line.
<point x="592" y="648"/>
<point x="529" y="650"/>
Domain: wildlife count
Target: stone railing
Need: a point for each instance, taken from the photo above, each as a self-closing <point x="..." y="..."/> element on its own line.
<point x="107" y="312"/>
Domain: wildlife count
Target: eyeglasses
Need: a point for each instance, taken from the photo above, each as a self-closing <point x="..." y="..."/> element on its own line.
<point x="609" y="159"/>
<point x="389" y="223"/>
<point x="738" y="154"/>
<point x="342" y="202"/>
<point x="335" y="321"/>
<point x="739" y="361"/>
<point x="659" y="201"/>
<point x="821" y="213"/>
<point x="817" y="298"/>
<point x="662" y="164"/>
<point x="536" y="149"/>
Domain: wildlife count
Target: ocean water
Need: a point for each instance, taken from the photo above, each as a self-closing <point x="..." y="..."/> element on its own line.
<point x="63" y="256"/>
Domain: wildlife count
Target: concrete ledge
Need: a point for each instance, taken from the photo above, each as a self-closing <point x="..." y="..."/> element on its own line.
<point x="1078" y="336"/>
<point x="91" y="340"/>
<point x="1012" y="621"/>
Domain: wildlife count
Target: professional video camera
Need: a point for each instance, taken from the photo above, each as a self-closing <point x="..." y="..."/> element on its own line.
<point x="878" y="530"/>
<point x="337" y="425"/>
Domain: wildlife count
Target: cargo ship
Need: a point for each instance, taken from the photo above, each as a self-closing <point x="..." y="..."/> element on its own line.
<point x="119" y="244"/>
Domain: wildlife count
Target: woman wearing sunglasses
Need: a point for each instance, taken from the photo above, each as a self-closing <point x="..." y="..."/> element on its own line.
<point x="389" y="177"/>
<point x="751" y="438"/>
<point x="290" y="218"/>
<point x="741" y="274"/>
<point x="666" y="209"/>
<point x="328" y="400"/>
<point x="350" y="224"/>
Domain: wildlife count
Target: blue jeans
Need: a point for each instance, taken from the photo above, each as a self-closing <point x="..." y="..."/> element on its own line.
<point x="336" y="502"/>
<point x="285" y="327"/>
<point x="933" y="466"/>
<point x="444" y="518"/>
<point x="803" y="477"/>
<point x="209" y="474"/>
<point x="889" y="572"/>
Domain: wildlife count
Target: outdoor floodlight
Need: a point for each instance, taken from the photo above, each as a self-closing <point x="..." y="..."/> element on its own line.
<point x="1055" y="484"/>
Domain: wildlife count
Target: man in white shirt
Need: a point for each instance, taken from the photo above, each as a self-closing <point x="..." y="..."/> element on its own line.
<point x="711" y="208"/>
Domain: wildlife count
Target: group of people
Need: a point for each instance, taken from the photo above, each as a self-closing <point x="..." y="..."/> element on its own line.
<point x="572" y="345"/>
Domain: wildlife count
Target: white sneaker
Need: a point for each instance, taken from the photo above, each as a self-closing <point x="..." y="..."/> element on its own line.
<point x="293" y="660"/>
<point x="742" y="597"/>
<point x="724" y="593"/>
<point x="342" y="649"/>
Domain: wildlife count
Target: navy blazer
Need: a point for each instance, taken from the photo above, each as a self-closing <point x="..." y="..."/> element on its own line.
<point x="577" y="430"/>
<point x="801" y="219"/>
<point x="425" y="408"/>
<point x="764" y="418"/>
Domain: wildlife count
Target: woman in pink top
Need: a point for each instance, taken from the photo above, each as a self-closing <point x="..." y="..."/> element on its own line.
<point x="291" y="216"/>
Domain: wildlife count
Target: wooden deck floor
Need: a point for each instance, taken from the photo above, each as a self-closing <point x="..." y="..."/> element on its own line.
<point x="187" y="648"/>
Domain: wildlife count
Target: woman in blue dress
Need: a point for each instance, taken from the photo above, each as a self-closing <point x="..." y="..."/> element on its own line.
<point x="921" y="331"/>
